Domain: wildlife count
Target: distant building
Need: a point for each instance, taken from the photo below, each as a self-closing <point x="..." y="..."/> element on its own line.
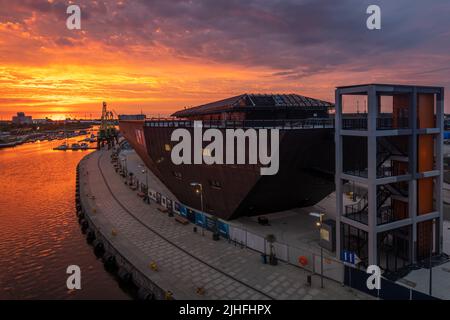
<point x="21" y="118"/>
<point x="41" y="121"/>
<point x="131" y="116"/>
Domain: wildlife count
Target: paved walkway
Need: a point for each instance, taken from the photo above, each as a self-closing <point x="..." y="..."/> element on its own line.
<point x="441" y="274"/>
<point x="188" y="260"/>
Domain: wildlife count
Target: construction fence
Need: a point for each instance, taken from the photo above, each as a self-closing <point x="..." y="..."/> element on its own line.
<point x="299" y="257"/>
<point x="304" y="258"/>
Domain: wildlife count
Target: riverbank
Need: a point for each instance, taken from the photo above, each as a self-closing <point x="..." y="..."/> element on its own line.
<point x="163" y="255"/>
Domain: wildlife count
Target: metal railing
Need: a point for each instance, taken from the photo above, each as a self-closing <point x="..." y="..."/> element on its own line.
<point x="385" y="215"/>
<point x="313" y="123"/>
<point x="383" y="123"/>
<point x="354" y="123"/>
<point x="392" y="123"/>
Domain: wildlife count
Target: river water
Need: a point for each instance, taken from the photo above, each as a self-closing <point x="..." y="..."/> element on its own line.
<point x="39" y="232"/>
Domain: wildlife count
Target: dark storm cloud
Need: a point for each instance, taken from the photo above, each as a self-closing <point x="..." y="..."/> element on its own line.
<point x="318" y="34"/>
<point x="297" y="38"/>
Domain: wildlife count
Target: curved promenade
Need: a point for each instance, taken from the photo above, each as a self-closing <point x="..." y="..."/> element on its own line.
<point x="190" y="266"/>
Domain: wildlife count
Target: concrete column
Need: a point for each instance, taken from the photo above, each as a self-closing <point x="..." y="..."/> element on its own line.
<point x="413" y="168"/>
<point x="440" y="167"/>
<point x="372" y="174"/>
<point x="338" y="169"/>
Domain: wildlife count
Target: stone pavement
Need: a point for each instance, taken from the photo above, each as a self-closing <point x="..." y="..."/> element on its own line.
<point x="188" y="260"/>
<point x="294" y="227"/>
<point x="441" y="274"/>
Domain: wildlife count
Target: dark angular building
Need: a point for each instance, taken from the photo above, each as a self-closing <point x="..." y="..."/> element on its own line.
<point x="306" y="154"/>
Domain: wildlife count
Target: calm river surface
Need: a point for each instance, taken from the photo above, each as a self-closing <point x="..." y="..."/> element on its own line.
<point x="39" y="231"/>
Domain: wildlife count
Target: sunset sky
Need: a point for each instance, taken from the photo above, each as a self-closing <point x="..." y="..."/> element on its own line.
<point x="160" y="56"/>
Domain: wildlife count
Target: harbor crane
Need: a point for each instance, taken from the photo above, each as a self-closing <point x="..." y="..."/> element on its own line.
<point x="107" y="133"/>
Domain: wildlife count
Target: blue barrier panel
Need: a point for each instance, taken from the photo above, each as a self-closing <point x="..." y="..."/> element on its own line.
<point x="393" y="291"/>
<point x="446" y="134"/>
<point x="200" y="219"/>
<point x="224" y="229"/>
<point x="210" y="224"/>
<point x="183" y="211"/>
<point x="191" y="215"/>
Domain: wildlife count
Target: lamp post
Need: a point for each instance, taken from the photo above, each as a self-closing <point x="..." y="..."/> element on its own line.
<point x="200" y="190"/>
<point x="125" y="169"/>
<point x="145" y="171"/>
<point x="319" y="226"/>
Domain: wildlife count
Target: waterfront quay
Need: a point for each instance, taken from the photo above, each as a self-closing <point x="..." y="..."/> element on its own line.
<point x="169" y="259"/>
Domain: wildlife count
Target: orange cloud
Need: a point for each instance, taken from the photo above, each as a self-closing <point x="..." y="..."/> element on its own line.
<point x="161" y="56"/>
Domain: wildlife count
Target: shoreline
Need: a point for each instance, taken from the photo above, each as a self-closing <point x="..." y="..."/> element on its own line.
<point x="105" y="247"/>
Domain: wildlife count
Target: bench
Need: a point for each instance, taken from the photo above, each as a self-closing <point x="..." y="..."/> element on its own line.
<point x="163" y="210"/>
<point x="181" y="220"/>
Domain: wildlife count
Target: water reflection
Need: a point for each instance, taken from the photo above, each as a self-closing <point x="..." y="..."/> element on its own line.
<point x="39" y="233"/>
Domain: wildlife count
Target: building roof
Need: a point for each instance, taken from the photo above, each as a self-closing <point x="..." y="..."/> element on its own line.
<point x="248" y="102"/>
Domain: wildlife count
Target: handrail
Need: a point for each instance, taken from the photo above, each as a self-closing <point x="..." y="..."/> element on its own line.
<point x="383" y="123"/>
<point x="282" y="124"/>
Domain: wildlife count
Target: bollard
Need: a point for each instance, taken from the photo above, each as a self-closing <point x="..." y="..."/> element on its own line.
<point x="153" y="266"/>
<point x="308" y="280"/>
<point x="200" y="291"/>
<point x="264" y="258"/>
<point x="168" y="295"/>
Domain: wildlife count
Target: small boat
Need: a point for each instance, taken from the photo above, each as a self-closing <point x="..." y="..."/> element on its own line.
<point x="63" y="147"/>
<point x="84" y="146"/>
<point x="75" y="146"/>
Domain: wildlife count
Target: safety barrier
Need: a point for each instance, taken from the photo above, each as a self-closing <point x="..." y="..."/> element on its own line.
<point x="357" y="279"/>
<point x="300" y="257"/>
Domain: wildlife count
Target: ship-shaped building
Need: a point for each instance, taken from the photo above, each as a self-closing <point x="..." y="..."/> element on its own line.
<point x="306" y="154"/>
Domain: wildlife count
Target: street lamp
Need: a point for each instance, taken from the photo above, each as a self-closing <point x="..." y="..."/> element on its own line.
<point x="199" y="190"/>
<point x="318" y="215"/>
<point x="125" y="169"/>
<point x="319" y="226"/>
<point x="145" y="171"/>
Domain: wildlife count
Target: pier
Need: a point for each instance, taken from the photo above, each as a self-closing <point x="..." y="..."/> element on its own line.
<point x="169" y="260"/>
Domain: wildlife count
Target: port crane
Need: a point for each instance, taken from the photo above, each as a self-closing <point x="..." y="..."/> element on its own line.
<point x="107" y="133"/>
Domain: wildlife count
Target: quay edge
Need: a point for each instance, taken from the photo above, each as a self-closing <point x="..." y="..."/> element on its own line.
<point x="147" y="288"/>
